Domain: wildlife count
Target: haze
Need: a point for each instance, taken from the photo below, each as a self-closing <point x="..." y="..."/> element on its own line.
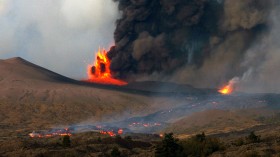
<point x="60" y="35"/>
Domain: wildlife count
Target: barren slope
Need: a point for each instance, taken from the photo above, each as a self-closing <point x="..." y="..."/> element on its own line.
<point x="33" y="96"/>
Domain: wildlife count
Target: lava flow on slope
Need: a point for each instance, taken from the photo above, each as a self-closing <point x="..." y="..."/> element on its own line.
<point x="100" y="72"/>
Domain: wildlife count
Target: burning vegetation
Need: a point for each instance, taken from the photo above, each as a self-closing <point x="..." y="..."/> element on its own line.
<point x="100" y="71"/>
<point x="51" y="133"/>
<point x="230" y="87"/>
<point x="104" y="130"/>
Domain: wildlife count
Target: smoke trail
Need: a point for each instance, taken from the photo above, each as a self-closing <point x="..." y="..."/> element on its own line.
<point x="262" y="60"/>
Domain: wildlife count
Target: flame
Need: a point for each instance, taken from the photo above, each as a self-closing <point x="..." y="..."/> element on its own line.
<point x="111" y="132"/>
<point x="120" y="131"/>
<point x="68" y="132"/>
<point x="61" y="132"/>
<point x="100" y="71"/>
<point x="226" y="90"/>
<point x="230" y="87"/>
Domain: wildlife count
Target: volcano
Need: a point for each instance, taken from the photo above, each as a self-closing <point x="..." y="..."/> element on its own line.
<point x="46" y="98"/>
<point x="34" y="98"/>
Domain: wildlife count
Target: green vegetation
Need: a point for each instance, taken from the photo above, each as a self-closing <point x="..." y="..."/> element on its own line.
<point x="99" y="139"/>
<point x="253" y="138"/>
<point x="168" y="147"/>
<point x="252" y="154"/>
<point x="239" y="142"/>
<point x="198" y="145"/>
<point x="128" y="138"/>
<point x="115" y="152"/>
<point x="245" y="144"/>
<point x="66" y="142"/>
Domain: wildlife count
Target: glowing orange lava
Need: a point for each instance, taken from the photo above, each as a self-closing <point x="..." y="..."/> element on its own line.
<point x="230" y="87"/>
<point x="226" y="90"/>
<point x="100" y="72"/>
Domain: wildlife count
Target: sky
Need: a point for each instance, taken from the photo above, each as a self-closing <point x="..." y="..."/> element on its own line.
<point x="60" y="35"/>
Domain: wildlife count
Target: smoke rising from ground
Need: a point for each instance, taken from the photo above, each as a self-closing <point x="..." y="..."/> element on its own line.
<point x="262" y="60"/>
<point x="204" y="43"/>
<point x="61" y="35"/>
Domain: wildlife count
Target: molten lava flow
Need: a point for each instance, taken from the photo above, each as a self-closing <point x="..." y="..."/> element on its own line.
<point x="100" y="72"/>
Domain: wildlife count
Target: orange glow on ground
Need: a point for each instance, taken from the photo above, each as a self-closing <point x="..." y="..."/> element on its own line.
<point x="100" y="72"/>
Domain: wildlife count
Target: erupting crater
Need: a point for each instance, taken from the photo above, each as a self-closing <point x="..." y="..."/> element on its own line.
<point x="227" y="89"/>
<point x="230" y="87"/>
<point x="100" y="72"/>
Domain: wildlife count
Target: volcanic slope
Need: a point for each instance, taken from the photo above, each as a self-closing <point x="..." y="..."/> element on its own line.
<point x="32" y="96"/>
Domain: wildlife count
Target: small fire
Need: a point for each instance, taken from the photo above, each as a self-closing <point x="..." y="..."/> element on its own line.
<point x="111" y="132"/>
<point x="59" y="132"/>
<point x="226" y="90"/>
<point x="100" y="71"/>
<point x="230" y="87"/>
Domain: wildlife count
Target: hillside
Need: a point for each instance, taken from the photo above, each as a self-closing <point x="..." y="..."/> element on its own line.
<point x="33" y="96"/>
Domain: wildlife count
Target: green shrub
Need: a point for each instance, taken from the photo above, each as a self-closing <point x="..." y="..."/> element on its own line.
<point x="253" y="138"/>
<point x="128" y="138"/>
<point x="115" y="152"/>
<point x="66" y="142"/>
<point x="252" y="154"/>
<point x="169" y="147"/>
<point x="99" y="139"/>
<point x="200" y="145"/>
<point x="239" y="142"/>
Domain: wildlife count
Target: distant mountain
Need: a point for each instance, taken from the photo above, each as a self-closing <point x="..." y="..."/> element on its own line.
<point x="20" y="69"/>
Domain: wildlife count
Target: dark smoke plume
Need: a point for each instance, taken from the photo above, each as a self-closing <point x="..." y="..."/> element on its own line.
<point x="199" y="42"/>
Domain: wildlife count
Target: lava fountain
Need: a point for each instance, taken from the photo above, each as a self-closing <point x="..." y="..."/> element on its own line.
<point x="100" y="72"/>
<point x="230" y="87"/>
<point x="226" y="90"/>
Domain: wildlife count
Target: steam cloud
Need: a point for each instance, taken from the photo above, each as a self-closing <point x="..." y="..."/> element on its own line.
<point x="61" y="35"/>
<point x="200" y="42"/>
